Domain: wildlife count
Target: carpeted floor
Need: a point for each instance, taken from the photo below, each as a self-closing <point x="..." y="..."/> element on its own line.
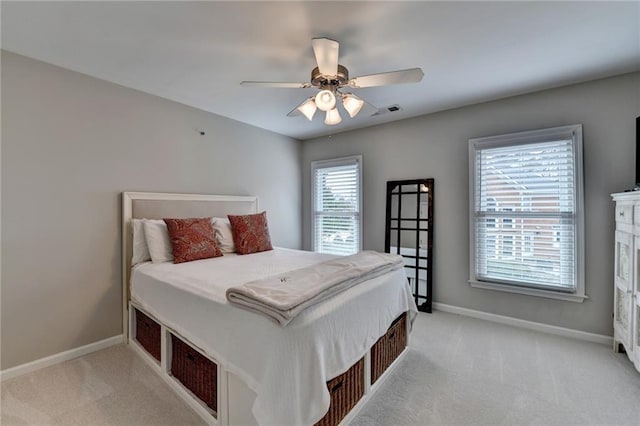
<point x="464" y="371"/>
<point x="458" y="371"/>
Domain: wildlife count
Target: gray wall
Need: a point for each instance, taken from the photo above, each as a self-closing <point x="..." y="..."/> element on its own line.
<point x="70" y="145"/>
<point x="436" y="145"/>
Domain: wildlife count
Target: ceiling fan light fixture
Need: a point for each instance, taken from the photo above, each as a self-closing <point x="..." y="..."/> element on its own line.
<point x="330" y="78"/>
<point x="308" y="108"/>
<point x="352" y="104"/>
<point x="325" y="100"/>
<point x="333" y="117"/>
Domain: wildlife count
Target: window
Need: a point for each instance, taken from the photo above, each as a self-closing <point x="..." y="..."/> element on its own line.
<point x="491" y="207"/>
<point x="337" y="201"/>
<point x="490" y="239"/>
<point x="507" y="220"/>
<point x="556" y="236"/>
<point x="526" y="202"/>
<point x="535" y="179"/>
<point x="507" y="246"/>
<point x="527" y="244"/>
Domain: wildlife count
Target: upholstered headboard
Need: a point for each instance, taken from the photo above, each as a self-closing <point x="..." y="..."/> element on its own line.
<point x="155" y="205"/>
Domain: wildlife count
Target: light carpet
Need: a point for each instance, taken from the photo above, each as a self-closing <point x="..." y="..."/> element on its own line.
<point x="465" y="371"/>
<point x="458" y="371"/>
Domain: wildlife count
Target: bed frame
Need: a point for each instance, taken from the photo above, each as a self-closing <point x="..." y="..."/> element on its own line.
<point x="234" y="396"/>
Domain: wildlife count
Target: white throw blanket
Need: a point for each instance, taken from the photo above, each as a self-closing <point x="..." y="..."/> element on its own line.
<point x="281" y="297"/>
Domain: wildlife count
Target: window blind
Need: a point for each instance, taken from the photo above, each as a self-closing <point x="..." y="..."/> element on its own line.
<point x="525" y="214"/>
<point x="336" y="221"/>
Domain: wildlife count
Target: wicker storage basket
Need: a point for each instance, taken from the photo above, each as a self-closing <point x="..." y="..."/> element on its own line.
<point x="346" y="390"/>
<point x="148" y="334"/>
<point x="195" y="371"/>
<point x="388" y="347"/>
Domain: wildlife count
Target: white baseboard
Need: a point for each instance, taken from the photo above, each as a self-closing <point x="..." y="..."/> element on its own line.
<point x="545" y="328"/>
<point x="60" y="357"/>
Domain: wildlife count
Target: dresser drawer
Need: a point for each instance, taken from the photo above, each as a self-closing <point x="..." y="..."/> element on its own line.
<point x="624" y="213"/>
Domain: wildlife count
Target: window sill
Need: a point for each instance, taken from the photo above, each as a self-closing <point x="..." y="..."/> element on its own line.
<point x="568" y="297"/>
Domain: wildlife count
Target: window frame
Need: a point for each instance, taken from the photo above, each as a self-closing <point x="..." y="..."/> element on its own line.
<point x="335" y="162"/>
<point x="574" y="132"/>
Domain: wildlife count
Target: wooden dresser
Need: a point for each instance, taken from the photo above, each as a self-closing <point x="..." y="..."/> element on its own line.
<point x="626" y="297"/>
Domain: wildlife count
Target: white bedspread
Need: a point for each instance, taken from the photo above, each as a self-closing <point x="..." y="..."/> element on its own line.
<point x="286" y="367"/>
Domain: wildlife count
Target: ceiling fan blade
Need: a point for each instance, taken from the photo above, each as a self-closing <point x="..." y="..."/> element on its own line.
<point x="412" y="75"/>
<point x="326" y="51"/>
<point x="275" y="84"/>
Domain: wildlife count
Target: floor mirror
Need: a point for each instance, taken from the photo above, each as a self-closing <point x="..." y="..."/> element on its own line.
<point x="409" y="233"/>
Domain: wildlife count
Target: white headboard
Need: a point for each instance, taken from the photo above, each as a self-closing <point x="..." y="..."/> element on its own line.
<point x="156" y="205"/>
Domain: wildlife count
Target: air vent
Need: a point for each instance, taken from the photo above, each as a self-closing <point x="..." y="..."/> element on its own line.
<point x="388" y="109"/>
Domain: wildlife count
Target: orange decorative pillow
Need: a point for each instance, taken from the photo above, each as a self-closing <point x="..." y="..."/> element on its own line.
<point x="250" y="233"/>
<point x="192" y="239"/>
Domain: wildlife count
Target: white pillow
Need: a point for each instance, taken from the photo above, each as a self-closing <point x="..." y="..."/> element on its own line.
<point x="158" y="242"/>
<point x="140" y="249"/>
<point x="224" y="236"/>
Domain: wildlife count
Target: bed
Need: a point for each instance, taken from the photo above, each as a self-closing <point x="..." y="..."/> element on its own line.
<point x="265" y="373"/>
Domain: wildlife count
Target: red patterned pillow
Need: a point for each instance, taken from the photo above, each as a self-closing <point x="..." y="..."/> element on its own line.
<point x="250" y="233"/>
<point x="192" y="239"/>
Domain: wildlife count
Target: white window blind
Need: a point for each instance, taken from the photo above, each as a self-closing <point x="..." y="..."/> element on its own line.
<point x="526" y="215"/>
<point x="336" y="205"/>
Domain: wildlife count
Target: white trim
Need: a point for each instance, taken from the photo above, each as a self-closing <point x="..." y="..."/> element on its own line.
<point x="169" y="196"/>
<point x="530" y="325"/>
<point x="127" y="213"/>
<point x="529" y="291"/>
<point x="59" y="357"/>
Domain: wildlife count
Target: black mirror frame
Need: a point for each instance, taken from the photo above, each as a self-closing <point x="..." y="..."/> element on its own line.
<point x="423" y="186"/>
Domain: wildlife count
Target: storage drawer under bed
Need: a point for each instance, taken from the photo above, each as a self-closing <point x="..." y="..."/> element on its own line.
<point x="388" y="347"/>
<point x="346" y="390"/>
<point x="148" y="334"/>
<point x="195" y="371"/>
<point x="199" y="374"/>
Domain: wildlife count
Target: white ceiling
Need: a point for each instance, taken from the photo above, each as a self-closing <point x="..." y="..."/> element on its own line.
<point x="198" y="52"/>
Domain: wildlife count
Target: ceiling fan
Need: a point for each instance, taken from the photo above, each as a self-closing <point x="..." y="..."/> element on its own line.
<point x="330" y="78"/>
